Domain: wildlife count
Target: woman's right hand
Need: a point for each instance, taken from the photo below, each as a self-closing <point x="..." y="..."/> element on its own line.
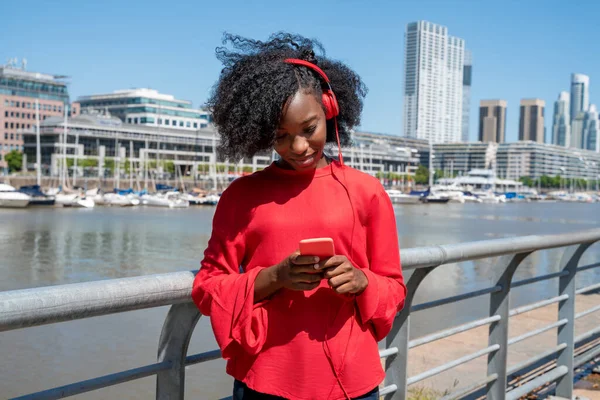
<point x="298" y="272"/>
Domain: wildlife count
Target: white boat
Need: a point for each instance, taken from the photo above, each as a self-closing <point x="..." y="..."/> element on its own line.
<point x="454" y="194"/>
<point x="489" y="197"/>
<point x="168" y="200"/>
<point x="9" y="197"/>
<point x="397" y="197"/>
<point x="120" y="200"/>
<point x="74" y="200"/>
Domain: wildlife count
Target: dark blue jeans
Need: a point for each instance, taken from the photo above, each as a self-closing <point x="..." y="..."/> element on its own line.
<point x="243" y="392"/>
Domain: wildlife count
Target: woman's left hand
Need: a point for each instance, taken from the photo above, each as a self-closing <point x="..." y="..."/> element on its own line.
<point x="343" y="277"/>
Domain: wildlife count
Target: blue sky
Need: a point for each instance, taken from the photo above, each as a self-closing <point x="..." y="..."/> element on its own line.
<point x="521" y="49"/>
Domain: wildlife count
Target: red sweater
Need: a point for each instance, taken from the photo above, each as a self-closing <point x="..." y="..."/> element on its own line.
<point x="302" y="345"/>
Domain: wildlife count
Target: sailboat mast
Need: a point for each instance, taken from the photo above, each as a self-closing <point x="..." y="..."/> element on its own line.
<point x="38" y="150"/>
<point x="63" y="179"/>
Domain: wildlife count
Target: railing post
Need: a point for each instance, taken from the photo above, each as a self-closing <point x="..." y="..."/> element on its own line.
<point x="172" y="347"/>
<point x="498" y="331"/>
<point x="566" y="310"/>
<point x="396" y="366"/>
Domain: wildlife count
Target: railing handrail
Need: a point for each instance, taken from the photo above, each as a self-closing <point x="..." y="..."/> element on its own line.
<point x="51" y="304"/>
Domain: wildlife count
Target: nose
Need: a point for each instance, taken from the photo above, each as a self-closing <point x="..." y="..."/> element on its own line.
<point x="299" y="144"/>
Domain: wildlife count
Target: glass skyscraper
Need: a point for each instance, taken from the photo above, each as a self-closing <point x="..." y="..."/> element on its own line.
<point x="561" y="126"/>
<point x="466" y="103"/>
<point x="580" y="94"/>
<point x="433" y="83"/>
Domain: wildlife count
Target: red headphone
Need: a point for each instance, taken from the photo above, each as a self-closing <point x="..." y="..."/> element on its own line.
<point x="332" y="109"/>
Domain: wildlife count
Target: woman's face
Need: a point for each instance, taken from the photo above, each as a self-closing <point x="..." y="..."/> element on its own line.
<point x="302" y="133"/>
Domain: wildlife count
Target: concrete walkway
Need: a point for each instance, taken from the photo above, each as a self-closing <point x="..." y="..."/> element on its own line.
<point x="437" y="353"/>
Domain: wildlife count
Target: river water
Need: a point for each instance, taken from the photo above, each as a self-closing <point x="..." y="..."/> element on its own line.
<point x="52" y="246"/>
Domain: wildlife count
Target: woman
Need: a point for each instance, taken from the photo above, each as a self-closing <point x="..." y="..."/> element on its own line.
<point x="293" y="326"/>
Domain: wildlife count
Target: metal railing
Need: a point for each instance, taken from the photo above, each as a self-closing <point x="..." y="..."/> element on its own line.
<point x="31" y="307"/>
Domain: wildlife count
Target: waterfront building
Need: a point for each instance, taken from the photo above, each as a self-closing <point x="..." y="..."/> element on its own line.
<point x="100" y="136"/>
<point x="20" y="91"/>
<point x="515" y="160"/>
<point x="147" y="107"/>
<point x="433" y="83"/>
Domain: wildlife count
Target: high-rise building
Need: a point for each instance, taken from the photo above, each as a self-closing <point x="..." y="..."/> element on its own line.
<point x="580" y="94"/>
<point x="584" y="130"/>
<point x="561" y="126"/>
<point x="20" y="91"/>
<point x="433" y="83"/>
<point x="492" y="121"/>
<point x="146" y="107"/>
<point x="466" y="103"/>
<point x="590" y="131"/>
<point x="577" y="127"/>
<point x="531" y="120"/>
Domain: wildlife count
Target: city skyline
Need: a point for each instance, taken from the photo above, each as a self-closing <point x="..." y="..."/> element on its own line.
<point x="181" y="61"/>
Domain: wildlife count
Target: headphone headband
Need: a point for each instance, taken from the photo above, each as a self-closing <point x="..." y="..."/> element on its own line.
<point x="297" y="61"/>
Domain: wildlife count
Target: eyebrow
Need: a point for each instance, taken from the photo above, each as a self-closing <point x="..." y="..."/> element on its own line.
<point x="309" y="119"/>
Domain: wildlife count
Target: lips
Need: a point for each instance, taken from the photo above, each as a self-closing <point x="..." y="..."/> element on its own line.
<point x="305" y="161"/>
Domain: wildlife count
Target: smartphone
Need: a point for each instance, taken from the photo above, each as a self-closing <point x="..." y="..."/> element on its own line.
<point x="320" y="247"/>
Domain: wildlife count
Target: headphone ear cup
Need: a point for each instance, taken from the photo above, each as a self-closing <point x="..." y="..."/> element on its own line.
<point x="330" y="104"/>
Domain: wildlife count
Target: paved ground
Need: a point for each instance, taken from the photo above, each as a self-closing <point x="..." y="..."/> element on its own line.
<point x="437" y="353"/>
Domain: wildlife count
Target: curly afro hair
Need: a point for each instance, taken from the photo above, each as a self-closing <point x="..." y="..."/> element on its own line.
<point x="255" y="84"/>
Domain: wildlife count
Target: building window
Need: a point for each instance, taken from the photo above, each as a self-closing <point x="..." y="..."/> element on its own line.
<point x="12" y="136"/>
<point x="166" y="122"/>
<point x="135" y="120"/>
<point x="128" y="120"/>
<point x="188" y="124"/>
<point x="12" y="125"/>
<point x="181" y="123"/>
<point x="195" y="125"/>
<point x="12" y="113"/>
<point x="6" y="103"/>
<point x="174" y="123"/>
<point x="18" y="104"/>
<point x="5" y="136"/>
<point x="17" y="115"/>
<point x="160" y="121"/>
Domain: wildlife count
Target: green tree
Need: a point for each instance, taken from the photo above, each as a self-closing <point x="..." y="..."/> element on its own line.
<point x="527" y="181"/>
<point x="422" y="175"/>
<point x="14" y="159"/>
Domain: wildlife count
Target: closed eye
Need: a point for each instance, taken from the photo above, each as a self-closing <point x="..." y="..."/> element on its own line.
<point x="311" y="129"/>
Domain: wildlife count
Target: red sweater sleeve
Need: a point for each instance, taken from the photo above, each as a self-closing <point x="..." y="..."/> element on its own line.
<point x="222" y="292"/>
<point x="384" y="296"/>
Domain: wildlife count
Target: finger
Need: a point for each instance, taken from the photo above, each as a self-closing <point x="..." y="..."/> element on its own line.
<point x="335" y="271"/>
<point x="307" y="278"/>
<point x="333" y="262"/>
<point x="298" y="259"/>
<point x="304" y="269"/>
<point x="348" y="287"/>
<point x="340" y="280"/>
<point x="305" y="286"/>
